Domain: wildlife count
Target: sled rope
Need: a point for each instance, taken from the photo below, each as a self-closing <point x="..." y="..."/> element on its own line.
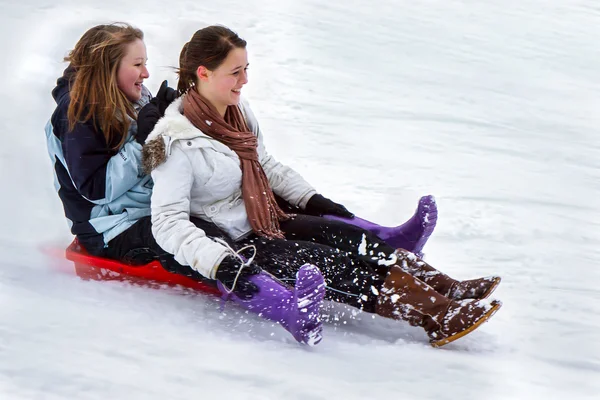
<point x="243" y="262"/>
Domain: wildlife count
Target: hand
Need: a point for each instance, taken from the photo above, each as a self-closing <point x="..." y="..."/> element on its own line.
<point x="164" y="97"/>
<point x="149" y="115"/>
<point x="320" y="205"/>
<point x="147" y="118"/>
<point x="228" y="270"/>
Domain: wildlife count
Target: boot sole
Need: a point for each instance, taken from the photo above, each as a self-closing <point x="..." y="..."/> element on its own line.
<point x="450" y="339"/>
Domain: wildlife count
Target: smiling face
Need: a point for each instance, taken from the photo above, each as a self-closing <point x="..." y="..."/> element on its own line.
<point x="132" y="70"/>
<point x="223" y="85"/>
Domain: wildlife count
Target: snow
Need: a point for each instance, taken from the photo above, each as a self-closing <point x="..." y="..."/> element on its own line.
<point x="490" y="106"/>
<point x="362" y="247"/>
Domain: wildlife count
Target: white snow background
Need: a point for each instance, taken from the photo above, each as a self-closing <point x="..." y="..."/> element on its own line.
<point x="492" y="106"/>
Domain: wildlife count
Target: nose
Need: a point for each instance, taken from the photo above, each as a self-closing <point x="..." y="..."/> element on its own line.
<point x="244" y="77"/>
<point x="145" y="73"/>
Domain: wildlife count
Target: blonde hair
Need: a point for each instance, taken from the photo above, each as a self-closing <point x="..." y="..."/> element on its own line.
<point x="94" y="91"/>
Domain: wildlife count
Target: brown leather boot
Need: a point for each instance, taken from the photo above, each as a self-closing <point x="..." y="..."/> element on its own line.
<point x="456" y="290"/>
<point x="480" y="288"/>
<point x="404" y="297"/>
<point x="462" y="318"/>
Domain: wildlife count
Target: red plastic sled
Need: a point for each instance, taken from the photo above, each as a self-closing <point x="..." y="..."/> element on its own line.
<point x="97" y="268"/>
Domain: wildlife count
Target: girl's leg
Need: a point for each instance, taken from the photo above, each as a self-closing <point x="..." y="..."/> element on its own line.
<point x="407" y="298"/>
<point x="372" y="250"/>
<point x="480" y="288"/>
<point x="137" y="246"/>
<point x="411" y="235"/>
<point x="398" y="295"/>
<point x="348" y="279"/>
<point x="295" y="308"/>
<point x="338" y="234"/>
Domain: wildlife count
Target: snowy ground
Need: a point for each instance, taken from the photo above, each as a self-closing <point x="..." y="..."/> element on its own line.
<point x="491" y="106"/>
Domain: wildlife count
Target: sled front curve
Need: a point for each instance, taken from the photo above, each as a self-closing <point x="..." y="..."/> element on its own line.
<point x="103" y="269"/>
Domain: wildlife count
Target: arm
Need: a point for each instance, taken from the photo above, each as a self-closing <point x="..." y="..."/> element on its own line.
<point x="98" y="175"/>
<point x="171" y="224"/>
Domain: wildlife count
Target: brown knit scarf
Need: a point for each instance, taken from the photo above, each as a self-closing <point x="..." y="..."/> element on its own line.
<point x="232" y="131"/>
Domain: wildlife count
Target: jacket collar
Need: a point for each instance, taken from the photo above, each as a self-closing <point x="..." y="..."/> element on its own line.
<point x="172" y="127"/>
<point x="175" y="125"/>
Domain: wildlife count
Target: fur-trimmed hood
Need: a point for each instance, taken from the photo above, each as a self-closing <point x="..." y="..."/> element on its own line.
<point x="175" y="126"/>
<point x="172" y="127"/>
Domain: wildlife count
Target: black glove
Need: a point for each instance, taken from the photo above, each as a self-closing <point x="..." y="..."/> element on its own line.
<point x="319" y="205"/>
<point x="153" y="111"/>
<point x="227" y="271"/>
<point x="164" y="97"/>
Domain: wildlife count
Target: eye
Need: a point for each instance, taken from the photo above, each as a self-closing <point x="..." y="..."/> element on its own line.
<point x="238" y="72"/>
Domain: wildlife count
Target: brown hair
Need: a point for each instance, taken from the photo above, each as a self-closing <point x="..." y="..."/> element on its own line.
<point x="94" y="91"/>
<point x="208" y="47"/>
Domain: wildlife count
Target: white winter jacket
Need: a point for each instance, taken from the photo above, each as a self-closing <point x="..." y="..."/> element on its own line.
<point x="195" y="175"/>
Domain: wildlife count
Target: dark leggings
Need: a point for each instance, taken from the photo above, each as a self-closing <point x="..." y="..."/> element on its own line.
<point x="137" y="246"/>
<point x="347" y="256"/>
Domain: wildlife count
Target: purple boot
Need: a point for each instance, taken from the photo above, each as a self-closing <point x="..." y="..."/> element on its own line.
<point x="411" y="235"/>
<point x="297" y="309"/>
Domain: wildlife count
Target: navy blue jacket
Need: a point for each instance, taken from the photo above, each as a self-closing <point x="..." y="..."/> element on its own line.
<point x="103" y="191"/>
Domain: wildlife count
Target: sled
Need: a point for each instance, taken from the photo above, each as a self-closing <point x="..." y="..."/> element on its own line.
<point x="89" y="267"/>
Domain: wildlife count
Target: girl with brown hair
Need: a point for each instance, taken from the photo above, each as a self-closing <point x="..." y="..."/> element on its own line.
<point x="95" y="146"/>
<point x="96" y="149"/>
<point x="208" y="161"/>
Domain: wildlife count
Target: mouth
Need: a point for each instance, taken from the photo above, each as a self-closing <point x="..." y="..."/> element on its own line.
<point x="138" y="85"/>
<point x="236" y="91"/>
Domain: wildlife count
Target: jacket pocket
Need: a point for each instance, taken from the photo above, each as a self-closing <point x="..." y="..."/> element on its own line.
<point x="225" y="177"/>
<point x="232" y="220"/>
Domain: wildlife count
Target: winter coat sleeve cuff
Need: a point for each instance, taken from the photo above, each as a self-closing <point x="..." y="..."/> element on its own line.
<point x="305" y="198"/>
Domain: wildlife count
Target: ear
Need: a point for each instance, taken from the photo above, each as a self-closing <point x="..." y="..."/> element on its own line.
<point x="202" y="73"/>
